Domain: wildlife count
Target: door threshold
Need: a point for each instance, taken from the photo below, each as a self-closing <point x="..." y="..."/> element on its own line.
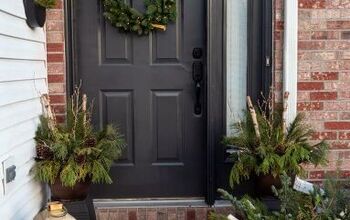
<point x="156" y="202"/>
<point x="150" y="202"/>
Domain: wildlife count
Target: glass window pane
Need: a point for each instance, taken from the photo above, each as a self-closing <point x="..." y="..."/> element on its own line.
<point x="236" y="59"/>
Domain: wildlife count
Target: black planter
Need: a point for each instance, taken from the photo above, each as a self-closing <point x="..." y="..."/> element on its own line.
<point x="264" y="185"/>
<point x="36" y="14"/>
<point x="78" y="192"/>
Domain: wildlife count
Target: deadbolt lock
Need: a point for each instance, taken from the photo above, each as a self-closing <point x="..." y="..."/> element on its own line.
<point x="197" y="53"/>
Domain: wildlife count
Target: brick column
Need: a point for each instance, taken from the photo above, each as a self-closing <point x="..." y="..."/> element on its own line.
<point x="56" y="59"/>
<point x="323" y="74"/>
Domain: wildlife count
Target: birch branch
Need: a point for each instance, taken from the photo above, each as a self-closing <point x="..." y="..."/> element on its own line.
<point x="84" y="107"/>
<point x="285" y="109"/>
<point x="47" y="111"/>
<point x="254" y="118"/>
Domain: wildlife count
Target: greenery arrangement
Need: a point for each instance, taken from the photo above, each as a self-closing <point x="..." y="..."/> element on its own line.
<point x="244" y="208"/>
<point x="158" y="14"/>
<point x="46" y="3"/>
<point x="329" y="203"/>
<point x="73" y="152"/>
<point x="267" y="146"/>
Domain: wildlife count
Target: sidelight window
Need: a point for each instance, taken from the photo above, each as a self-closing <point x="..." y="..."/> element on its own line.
<point x="248" y="54"/>
<point x="236" y="59"/>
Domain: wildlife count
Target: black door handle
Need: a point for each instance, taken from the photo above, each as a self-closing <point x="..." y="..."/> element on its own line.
<point x="198" y="105"/>
<point x="197" y="75"/>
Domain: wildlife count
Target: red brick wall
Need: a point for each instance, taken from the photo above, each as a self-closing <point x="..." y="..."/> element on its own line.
<point x="323" y="73"/>
<point x="56" y="58"/>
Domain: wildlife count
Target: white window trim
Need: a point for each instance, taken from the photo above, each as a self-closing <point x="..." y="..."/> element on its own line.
<point x="290" y="57"/>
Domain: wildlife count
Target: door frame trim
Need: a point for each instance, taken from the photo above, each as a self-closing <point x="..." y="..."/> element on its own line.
<point x="215" y="80"/>
<point x="215" y="90"/>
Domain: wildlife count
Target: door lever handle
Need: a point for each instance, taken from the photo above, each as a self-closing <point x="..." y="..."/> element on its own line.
<point x="198" y="105"/>
<point x="197" y="75"/>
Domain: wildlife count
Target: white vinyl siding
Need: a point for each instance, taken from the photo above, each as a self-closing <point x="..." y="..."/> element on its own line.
<point x="23" y="78"/>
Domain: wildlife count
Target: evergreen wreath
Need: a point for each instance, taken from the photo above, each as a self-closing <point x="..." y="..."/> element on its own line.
<point x="128" y="19"/>
<point x="49" y="4"/>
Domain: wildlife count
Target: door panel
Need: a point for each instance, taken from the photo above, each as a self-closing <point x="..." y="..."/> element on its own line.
<point x="115" y="47"/>
<point x="167" y="46"/>
<point x="144" y="85"/>
<point x="117" y="108"/>
<point x="167" y="128"/>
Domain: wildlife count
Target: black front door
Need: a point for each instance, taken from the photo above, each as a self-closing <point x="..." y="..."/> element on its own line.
<point x="145" y="86"/>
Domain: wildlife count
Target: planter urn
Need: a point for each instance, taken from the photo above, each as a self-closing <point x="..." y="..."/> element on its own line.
<point x="264" y="185"/>
<point x="78" y="192"/>
<point x="36" y="14"/>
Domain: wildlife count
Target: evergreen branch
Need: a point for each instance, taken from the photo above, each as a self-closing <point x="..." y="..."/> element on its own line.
<point x="267" y="147"/>
<point x="73" y="151"/>
<point x="49" y="4"/>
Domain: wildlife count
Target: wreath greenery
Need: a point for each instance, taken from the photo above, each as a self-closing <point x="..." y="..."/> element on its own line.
<point x="128" y="19"/>
<point x="49" y="4"/>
